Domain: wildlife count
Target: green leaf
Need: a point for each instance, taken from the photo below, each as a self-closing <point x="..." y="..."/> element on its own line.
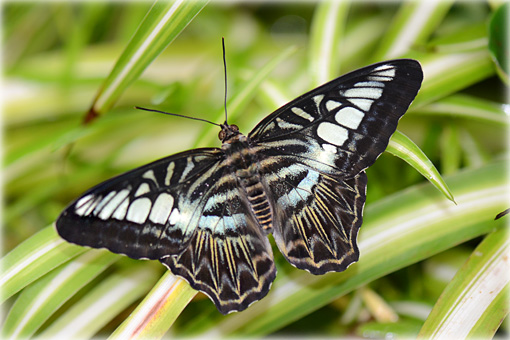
<point x="450" y="150"/>
<point x="327" y="27"/>
<point x="412" y="25"/>
<point x="498" y="40"/>
<point x="445" y="74"/>
<point x="475" y="302"/>
<point x="401" y="146"/>
<point x="32" y="259"/>
<point x="164" y="22"/>
<point x="158" y="311"/>
<point x="41" y="299"/>
<point x="103" y="303"/>
<point x="466" y="107"/>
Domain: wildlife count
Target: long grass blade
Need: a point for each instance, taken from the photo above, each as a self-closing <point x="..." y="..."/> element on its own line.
<point x="327" y="27"/>
<point x="164" y="22"/>
<point x="473" y="304"/>
<point x="32" y="259"/>
<point x="103" y="303"/>
<point x="41" y="299"/>
<point x="413" y="24"/>
<point x="158" y="311"/>
<point x="401" y="146"/>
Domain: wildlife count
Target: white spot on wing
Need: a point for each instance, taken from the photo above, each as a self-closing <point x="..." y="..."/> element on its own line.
<point x="139" y="210"/>
<point x="331" y="105"/>
<point x="121" y="211"/>
<point x="318" y="99"/>
<point x="187" y="169"/>
<point x="169" y="173"/>
<point x="142" y="189"/>
<point x="332" y="133"/>
<point x="162" y="208"/>
<point x="83" y="204"/>
<point x="92" y="206"/>
<point x="363" y="104"/>
<point x="299" y="112"/>
<point x="287" y="125"/>
<point x="174" y="216"/>
<point x="363" y="92"/>
<point x="104" y="201"/>
<point x="349" y="117"/>
<point x="369" y="84"/>
<point x="329" y="148"/>
<point x="385" y="70"/>
<point x="150" y="175"/>
<point x="302" y="192"/>
<point x="113" y="204"/>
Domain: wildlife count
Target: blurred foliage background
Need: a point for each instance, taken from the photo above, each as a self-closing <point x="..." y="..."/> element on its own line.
<point x="56" y="57"/>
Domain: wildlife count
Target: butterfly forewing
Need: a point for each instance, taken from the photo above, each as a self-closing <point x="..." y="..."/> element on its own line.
<point x="142" y="213"/>
<point x="348" y="121"/>
<point x="205" y="213"/>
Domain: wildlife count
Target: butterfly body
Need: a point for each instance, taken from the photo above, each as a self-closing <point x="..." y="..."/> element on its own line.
<point x="299" y="174"/>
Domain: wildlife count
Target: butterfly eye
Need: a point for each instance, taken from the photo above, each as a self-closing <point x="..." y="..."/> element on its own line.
<point x="234" y="128"/>
<point x="221" y="135"/>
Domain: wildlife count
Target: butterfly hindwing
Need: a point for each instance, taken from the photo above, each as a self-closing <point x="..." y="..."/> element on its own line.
<point x="316" y="216"/>
<point x="229" y="258"/>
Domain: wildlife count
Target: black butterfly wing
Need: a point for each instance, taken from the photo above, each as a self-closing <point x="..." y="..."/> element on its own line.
<point x="185" y="210"/>
<point x="314" y="152"/>
<point x="352" y="117"/>
<point x="141" y="213"/>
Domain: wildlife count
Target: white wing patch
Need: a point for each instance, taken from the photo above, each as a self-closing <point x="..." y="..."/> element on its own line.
<point x="318" y="99"/>
<point x="162" y="208"/>
<point x="385" y="71"/>
<point x="331" y="105"/>
<point x="113" y="204"/>
<point x="363" y="104"/>
<point x="142" y="189"/>
<point x="83" y="204"/>
<point x="169" y="173"/>
<point x="349" y="117"/>
<point x="332" y="133"/>
<point x="286" y="125"/>
<point x="139" y="210"/>
<point x="150" y="175"/>
<point x="121" y="211"/>
<point x="299" y="112"/>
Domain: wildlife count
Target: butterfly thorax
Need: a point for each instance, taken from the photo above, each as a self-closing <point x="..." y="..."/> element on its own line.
<point x="241" y="157"/>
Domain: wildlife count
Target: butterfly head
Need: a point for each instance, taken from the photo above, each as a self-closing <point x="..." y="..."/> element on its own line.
<point x="228" y="132"/>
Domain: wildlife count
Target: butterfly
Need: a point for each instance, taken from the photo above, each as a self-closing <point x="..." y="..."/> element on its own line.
<point x="299" y="174"/>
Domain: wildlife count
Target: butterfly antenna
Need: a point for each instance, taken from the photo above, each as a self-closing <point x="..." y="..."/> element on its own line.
<point x="225" y="68"/>
<point x="177" y="115"/>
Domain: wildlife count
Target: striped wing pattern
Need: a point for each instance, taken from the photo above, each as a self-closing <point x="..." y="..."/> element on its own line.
<point x="299" y="174"/>
<point x="187" y="211"/>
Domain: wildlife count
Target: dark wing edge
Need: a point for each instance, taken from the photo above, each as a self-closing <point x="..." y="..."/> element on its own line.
<point x="131" y="214"/>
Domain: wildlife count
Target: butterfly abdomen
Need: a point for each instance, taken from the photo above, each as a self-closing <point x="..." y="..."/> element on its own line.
<point x="244" y="160"/>
<point x="258" y="201"/>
